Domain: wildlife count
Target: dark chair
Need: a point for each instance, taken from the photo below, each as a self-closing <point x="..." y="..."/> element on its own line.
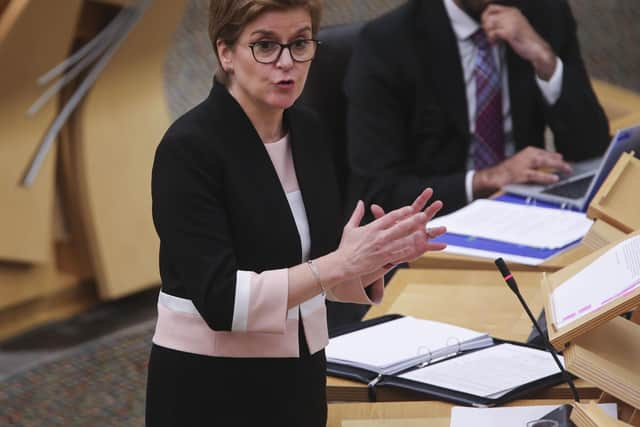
<point x="324" y="94"/>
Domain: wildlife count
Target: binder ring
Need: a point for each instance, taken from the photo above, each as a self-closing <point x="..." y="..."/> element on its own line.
<point x="420" y="351"/>
<point x="450" y="341"/>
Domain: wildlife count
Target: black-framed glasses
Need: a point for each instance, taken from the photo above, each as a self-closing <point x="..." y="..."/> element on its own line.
<point x="268" y="52"/>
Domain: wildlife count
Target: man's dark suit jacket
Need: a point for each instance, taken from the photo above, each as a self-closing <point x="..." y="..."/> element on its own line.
<point x="408" y="124"/>
<point x="219" y="207"/>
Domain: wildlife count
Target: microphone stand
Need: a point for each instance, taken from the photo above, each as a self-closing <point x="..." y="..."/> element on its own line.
<point x="511" y="282"/>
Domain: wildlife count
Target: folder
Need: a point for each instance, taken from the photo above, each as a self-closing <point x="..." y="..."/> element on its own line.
<point x="431" y="369"/>
<point x="511" y="251"/>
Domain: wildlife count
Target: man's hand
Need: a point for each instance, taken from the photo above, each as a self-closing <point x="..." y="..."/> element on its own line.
<point x="509" y="24"/>
<point x="529" y="165"/>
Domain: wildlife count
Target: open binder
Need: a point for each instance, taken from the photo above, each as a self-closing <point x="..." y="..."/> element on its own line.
<point x="429" y="373"/>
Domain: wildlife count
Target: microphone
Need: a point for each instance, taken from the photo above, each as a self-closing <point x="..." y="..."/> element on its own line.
<point x="511" y="282"/>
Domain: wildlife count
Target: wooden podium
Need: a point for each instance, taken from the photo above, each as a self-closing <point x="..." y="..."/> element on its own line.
<point x="599" y="345"/>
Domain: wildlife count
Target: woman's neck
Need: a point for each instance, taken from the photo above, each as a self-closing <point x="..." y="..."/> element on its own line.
<point x="268" y="122"/>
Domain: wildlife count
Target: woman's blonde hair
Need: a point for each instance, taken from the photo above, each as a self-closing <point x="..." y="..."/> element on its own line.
<point x="227" y="19"/>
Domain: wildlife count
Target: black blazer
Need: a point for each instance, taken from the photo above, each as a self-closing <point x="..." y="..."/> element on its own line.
<point x="218" y="205"/>
<point x="408" y="124"/>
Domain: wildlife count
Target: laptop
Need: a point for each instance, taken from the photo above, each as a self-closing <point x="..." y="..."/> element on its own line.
<point x="576" y="191"/>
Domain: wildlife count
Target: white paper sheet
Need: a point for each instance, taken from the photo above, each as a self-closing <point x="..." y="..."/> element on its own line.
<point x="516" y="416"/>
<point x="383" y="347"/>
<point x="525" y="225"/>
<point x="613" y="275"/>
<point x="490" y="372"/>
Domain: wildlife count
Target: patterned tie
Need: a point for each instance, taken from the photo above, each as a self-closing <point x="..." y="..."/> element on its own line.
<point x="488" y="140"/>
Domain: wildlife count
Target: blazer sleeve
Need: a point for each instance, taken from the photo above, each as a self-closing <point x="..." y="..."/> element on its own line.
<point x="196" y="247"/>
<point x="380" y="150"/>
<point x="355" y="292"/>
<point x="577" y="120"/>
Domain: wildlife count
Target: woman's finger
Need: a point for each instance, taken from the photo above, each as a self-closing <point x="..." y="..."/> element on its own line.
<point x="377" y="211"/>
<point x="422" y="200"/>
<point x="391" y="218"/>
<point x="356" y="216"/>
<point x="433" y="209"/>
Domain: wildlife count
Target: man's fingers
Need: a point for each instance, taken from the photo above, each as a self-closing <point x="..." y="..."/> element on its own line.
<point x="539" y="177"/>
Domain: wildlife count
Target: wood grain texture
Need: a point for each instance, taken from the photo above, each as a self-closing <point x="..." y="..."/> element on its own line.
<point x="26" y="213"/>
<point x="118" y="127"/>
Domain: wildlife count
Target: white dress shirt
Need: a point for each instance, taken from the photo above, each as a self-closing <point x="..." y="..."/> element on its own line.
<point x="463" y="27"/>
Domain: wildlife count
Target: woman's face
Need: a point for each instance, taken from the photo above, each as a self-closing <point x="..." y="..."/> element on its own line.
<point x="268" y="86"/>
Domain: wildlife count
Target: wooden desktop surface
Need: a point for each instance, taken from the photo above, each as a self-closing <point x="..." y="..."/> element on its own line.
<point x="402" y="414"/>
<point x="476" y="299"/>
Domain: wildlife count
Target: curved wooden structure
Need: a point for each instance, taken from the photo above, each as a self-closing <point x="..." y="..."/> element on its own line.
<point x="25" y="215"/>
<point x="118" y="128"/>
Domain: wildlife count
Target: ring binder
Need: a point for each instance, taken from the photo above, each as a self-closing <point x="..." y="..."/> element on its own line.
<point x="401" y="375"/>
<point x="371" y="388"/>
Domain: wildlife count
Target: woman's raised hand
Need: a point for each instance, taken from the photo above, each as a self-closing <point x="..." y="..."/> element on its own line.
<point x="392" y="238"/>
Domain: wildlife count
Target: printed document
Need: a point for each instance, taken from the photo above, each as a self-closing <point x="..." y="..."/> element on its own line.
<point x="524" y="225"/>
<point x="613" y="275"/>
<point x="491" y="372"/>
<point x="509" y="417"/>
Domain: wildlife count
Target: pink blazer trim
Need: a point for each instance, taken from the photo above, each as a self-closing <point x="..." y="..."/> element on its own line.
<point x="190" y="333"/>
<point x="268" y="302"/>
<point x="353" y="291"/>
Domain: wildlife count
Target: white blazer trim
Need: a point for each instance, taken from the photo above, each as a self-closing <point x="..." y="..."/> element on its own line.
<point x="241" y="305"/>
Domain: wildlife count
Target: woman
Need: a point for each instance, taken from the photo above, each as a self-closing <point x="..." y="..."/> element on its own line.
<point x="245" y="204"/>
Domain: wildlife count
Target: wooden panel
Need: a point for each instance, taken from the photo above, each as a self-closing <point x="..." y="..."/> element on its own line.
<point x="25" y="53"/>
<point x="622" y="106"/>
<point x="121" y="123"/>
<point x="473" y="299"/>
<point x="75" y="299"/>
<point x="20" y="283"/>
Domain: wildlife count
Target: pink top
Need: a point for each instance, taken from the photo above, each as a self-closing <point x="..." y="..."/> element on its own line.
<point x="262" y="324"/>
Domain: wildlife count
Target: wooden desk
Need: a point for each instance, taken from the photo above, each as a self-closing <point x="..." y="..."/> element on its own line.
<point x="473" y="299"/>
<point x="402" y="414"/>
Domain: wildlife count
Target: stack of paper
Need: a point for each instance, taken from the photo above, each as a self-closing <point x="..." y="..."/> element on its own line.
<point x="396" y="345"/>
<point x="520" y="233"/>
<point x="509" y="417"/>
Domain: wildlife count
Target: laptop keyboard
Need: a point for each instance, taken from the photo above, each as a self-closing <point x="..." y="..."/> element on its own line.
<point x="571" y="190"/>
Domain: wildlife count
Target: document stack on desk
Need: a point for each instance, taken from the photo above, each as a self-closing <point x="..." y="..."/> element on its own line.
<point x="515" y="416"/>
<point x="444" y="361"/>
<point x="519" y="233"/>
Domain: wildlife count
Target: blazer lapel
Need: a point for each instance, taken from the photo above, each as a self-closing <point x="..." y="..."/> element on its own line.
<point x="437" y="49"/>
<point x="247" y="150"/>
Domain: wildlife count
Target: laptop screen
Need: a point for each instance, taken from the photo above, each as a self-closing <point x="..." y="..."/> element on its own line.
<point x="625" y="140"/>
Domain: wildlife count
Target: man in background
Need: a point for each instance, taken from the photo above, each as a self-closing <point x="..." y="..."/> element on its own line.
<point x="456" y="95"/>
